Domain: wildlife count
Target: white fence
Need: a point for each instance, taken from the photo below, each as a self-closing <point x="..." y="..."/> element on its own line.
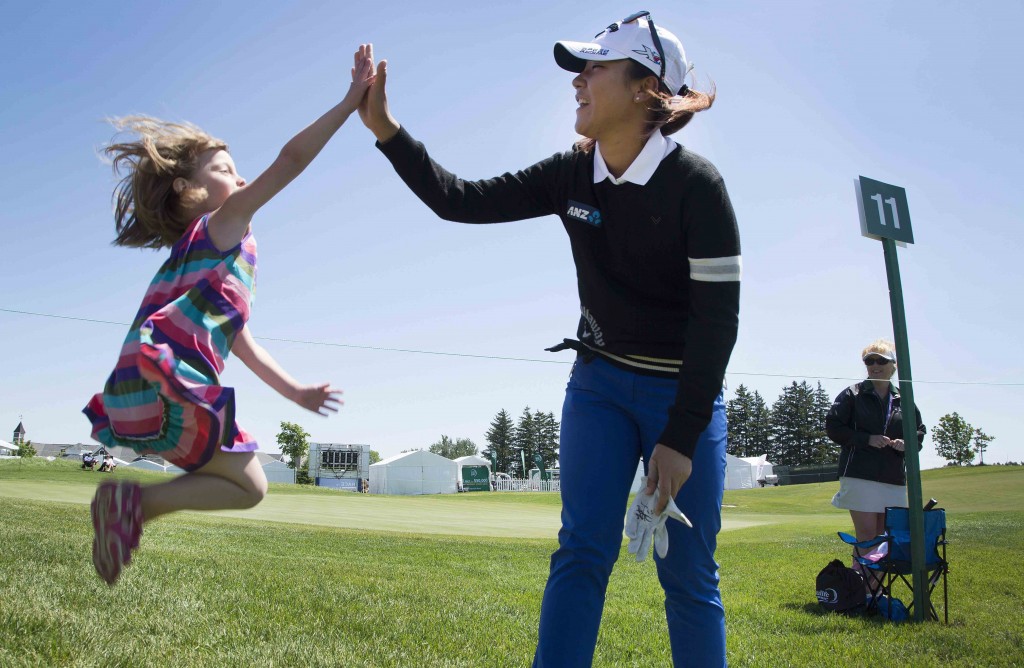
<point x="506" y="484"/>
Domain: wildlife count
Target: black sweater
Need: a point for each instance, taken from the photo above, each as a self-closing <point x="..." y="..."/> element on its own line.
<point x="640" y="295"/>
<point x="859" y="413"/>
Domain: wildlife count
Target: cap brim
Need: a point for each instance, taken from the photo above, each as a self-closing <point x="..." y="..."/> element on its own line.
<point x="573" y="56"/>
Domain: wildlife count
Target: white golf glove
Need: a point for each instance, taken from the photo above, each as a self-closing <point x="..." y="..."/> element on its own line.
<point x="643" y="526"/>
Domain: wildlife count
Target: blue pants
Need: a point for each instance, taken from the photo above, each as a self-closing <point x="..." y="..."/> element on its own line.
<point x="611" y="418"/>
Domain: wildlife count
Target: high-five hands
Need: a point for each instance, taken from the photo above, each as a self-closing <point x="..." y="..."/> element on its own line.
<point x="362" y="77"/>
<point x="373" y="110"/>
<point x="644" y="524"/>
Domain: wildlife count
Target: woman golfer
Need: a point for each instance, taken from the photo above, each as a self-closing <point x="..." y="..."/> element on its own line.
<point x="657" y="256"/>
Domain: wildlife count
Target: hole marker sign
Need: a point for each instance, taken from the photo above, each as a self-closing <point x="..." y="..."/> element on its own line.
<point x="884" y="212"/>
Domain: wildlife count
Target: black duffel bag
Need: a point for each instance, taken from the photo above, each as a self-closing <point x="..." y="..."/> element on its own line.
<point x="840" y="589"/>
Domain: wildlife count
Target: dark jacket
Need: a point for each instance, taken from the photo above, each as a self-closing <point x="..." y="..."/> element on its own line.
<point x="859" y="413"/>
<point x="657" y="265"/>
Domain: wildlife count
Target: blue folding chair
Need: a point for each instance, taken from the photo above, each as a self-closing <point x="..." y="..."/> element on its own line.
<point x="894" y="565"/>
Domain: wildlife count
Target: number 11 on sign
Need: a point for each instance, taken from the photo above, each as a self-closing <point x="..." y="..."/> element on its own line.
<point x="892" y="206"/>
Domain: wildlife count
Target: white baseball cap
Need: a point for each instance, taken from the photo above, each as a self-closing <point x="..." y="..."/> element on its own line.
<point x="634" y="38"/>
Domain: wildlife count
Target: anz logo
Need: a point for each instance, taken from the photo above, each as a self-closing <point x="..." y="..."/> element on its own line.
<point x="584" y="212"/>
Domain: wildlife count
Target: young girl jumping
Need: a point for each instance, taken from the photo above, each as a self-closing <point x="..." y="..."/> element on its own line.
<point x="181" y="190"/>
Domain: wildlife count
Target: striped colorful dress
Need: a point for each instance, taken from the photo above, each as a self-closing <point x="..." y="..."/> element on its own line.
<point x="164" y="396"/>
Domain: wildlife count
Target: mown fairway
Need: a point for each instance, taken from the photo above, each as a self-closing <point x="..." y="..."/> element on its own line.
<point x="345" y="579"/>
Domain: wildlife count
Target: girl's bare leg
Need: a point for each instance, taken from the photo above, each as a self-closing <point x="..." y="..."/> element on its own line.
<point x="230" y="480"/>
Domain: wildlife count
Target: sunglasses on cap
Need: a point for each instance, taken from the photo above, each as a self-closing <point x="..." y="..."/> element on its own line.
<point x="876" y="361"/>
<point x="654" y="37"/>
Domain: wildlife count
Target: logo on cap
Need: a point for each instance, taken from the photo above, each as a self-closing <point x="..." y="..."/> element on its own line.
<point x="649" y="53"/>
<point x="594" y="51"/>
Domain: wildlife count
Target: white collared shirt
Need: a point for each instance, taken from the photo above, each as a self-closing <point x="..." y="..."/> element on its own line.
<point x="656" y="149"/>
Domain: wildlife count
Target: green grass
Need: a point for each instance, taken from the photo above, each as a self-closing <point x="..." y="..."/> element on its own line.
<point x="213" y="590"/>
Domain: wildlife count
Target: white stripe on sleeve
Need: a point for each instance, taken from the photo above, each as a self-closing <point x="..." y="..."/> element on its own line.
<point x="716" y="269"/>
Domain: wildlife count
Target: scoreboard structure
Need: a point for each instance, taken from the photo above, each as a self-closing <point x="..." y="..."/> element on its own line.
<point x="339" y="465"/>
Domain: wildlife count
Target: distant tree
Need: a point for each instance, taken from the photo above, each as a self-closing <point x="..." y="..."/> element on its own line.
<point x="294" y="443"/>
<point x="524" y="444"/>
<point x="374" y="457"/>
<point x="738" y="417"/>
<point x="499" y="440"/>
<point x="798" y="426"/>
<point x="981" y="441"/>
<point x="26" y="450"/>
<point x="760" y="427"/>
<point x="953" y="437"/>
<point x="411" y="450"/>
<point x="547" y="430"/>
<point x="789" y="432"/>
<point x="826" y="450"/>
<point x="446" y="447"/>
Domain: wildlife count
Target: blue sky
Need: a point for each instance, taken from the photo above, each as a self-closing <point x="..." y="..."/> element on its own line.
<point x="810" y="95"/>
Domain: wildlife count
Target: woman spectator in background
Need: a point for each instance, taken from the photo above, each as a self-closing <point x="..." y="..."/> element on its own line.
<point x="867" y="421"/>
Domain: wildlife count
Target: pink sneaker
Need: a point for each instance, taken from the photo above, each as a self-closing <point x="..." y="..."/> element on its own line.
<point x="117" y="521"/>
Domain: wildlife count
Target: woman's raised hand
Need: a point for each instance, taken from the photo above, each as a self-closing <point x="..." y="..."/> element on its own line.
<point x="373" y="110"/>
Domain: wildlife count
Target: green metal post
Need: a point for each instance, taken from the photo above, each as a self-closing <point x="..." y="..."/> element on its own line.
<point x="914" y="496"/>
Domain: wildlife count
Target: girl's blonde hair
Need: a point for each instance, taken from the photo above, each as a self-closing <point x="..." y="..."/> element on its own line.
<point x="147" y="210"/>
<point x="666" y="112"/>
<point x="881" y="347"/>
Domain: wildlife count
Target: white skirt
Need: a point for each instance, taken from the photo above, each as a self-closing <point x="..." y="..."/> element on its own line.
<point x="868" y="496"/>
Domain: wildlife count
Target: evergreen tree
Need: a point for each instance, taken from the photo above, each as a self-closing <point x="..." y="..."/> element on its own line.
<point x="548" y="431"/>
<point x="760" y="427"/>
<point x="738" y="417"/>
<point x="826" y="451"/>
<point x="797" y="430"/>
<point x="952" y="437"/>
<point x="499" y="441"/>
<point x="524" y="444"/>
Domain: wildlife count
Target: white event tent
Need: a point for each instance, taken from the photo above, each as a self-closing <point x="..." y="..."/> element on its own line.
<point x="416" y="472"/>
<point x="740" y="472"/>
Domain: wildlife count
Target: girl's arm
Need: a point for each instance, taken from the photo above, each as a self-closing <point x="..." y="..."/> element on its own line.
<point x="229" y="223"/>
<point x="322" y="399"/>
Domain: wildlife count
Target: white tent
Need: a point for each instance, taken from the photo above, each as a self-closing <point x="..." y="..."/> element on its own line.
<point x="278" y="471"/>
<point x="763" y="469"/>
<point x="8" y="448"/>
<point x="416" y="472"/>
<point x="739" y="473"/>
<point x="472" y="460"/>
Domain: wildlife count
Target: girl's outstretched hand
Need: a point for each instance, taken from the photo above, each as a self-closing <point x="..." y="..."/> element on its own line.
<point x="321" y="399"/>
<point x="373" y="110"/>
<point x="362" y="77"/>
